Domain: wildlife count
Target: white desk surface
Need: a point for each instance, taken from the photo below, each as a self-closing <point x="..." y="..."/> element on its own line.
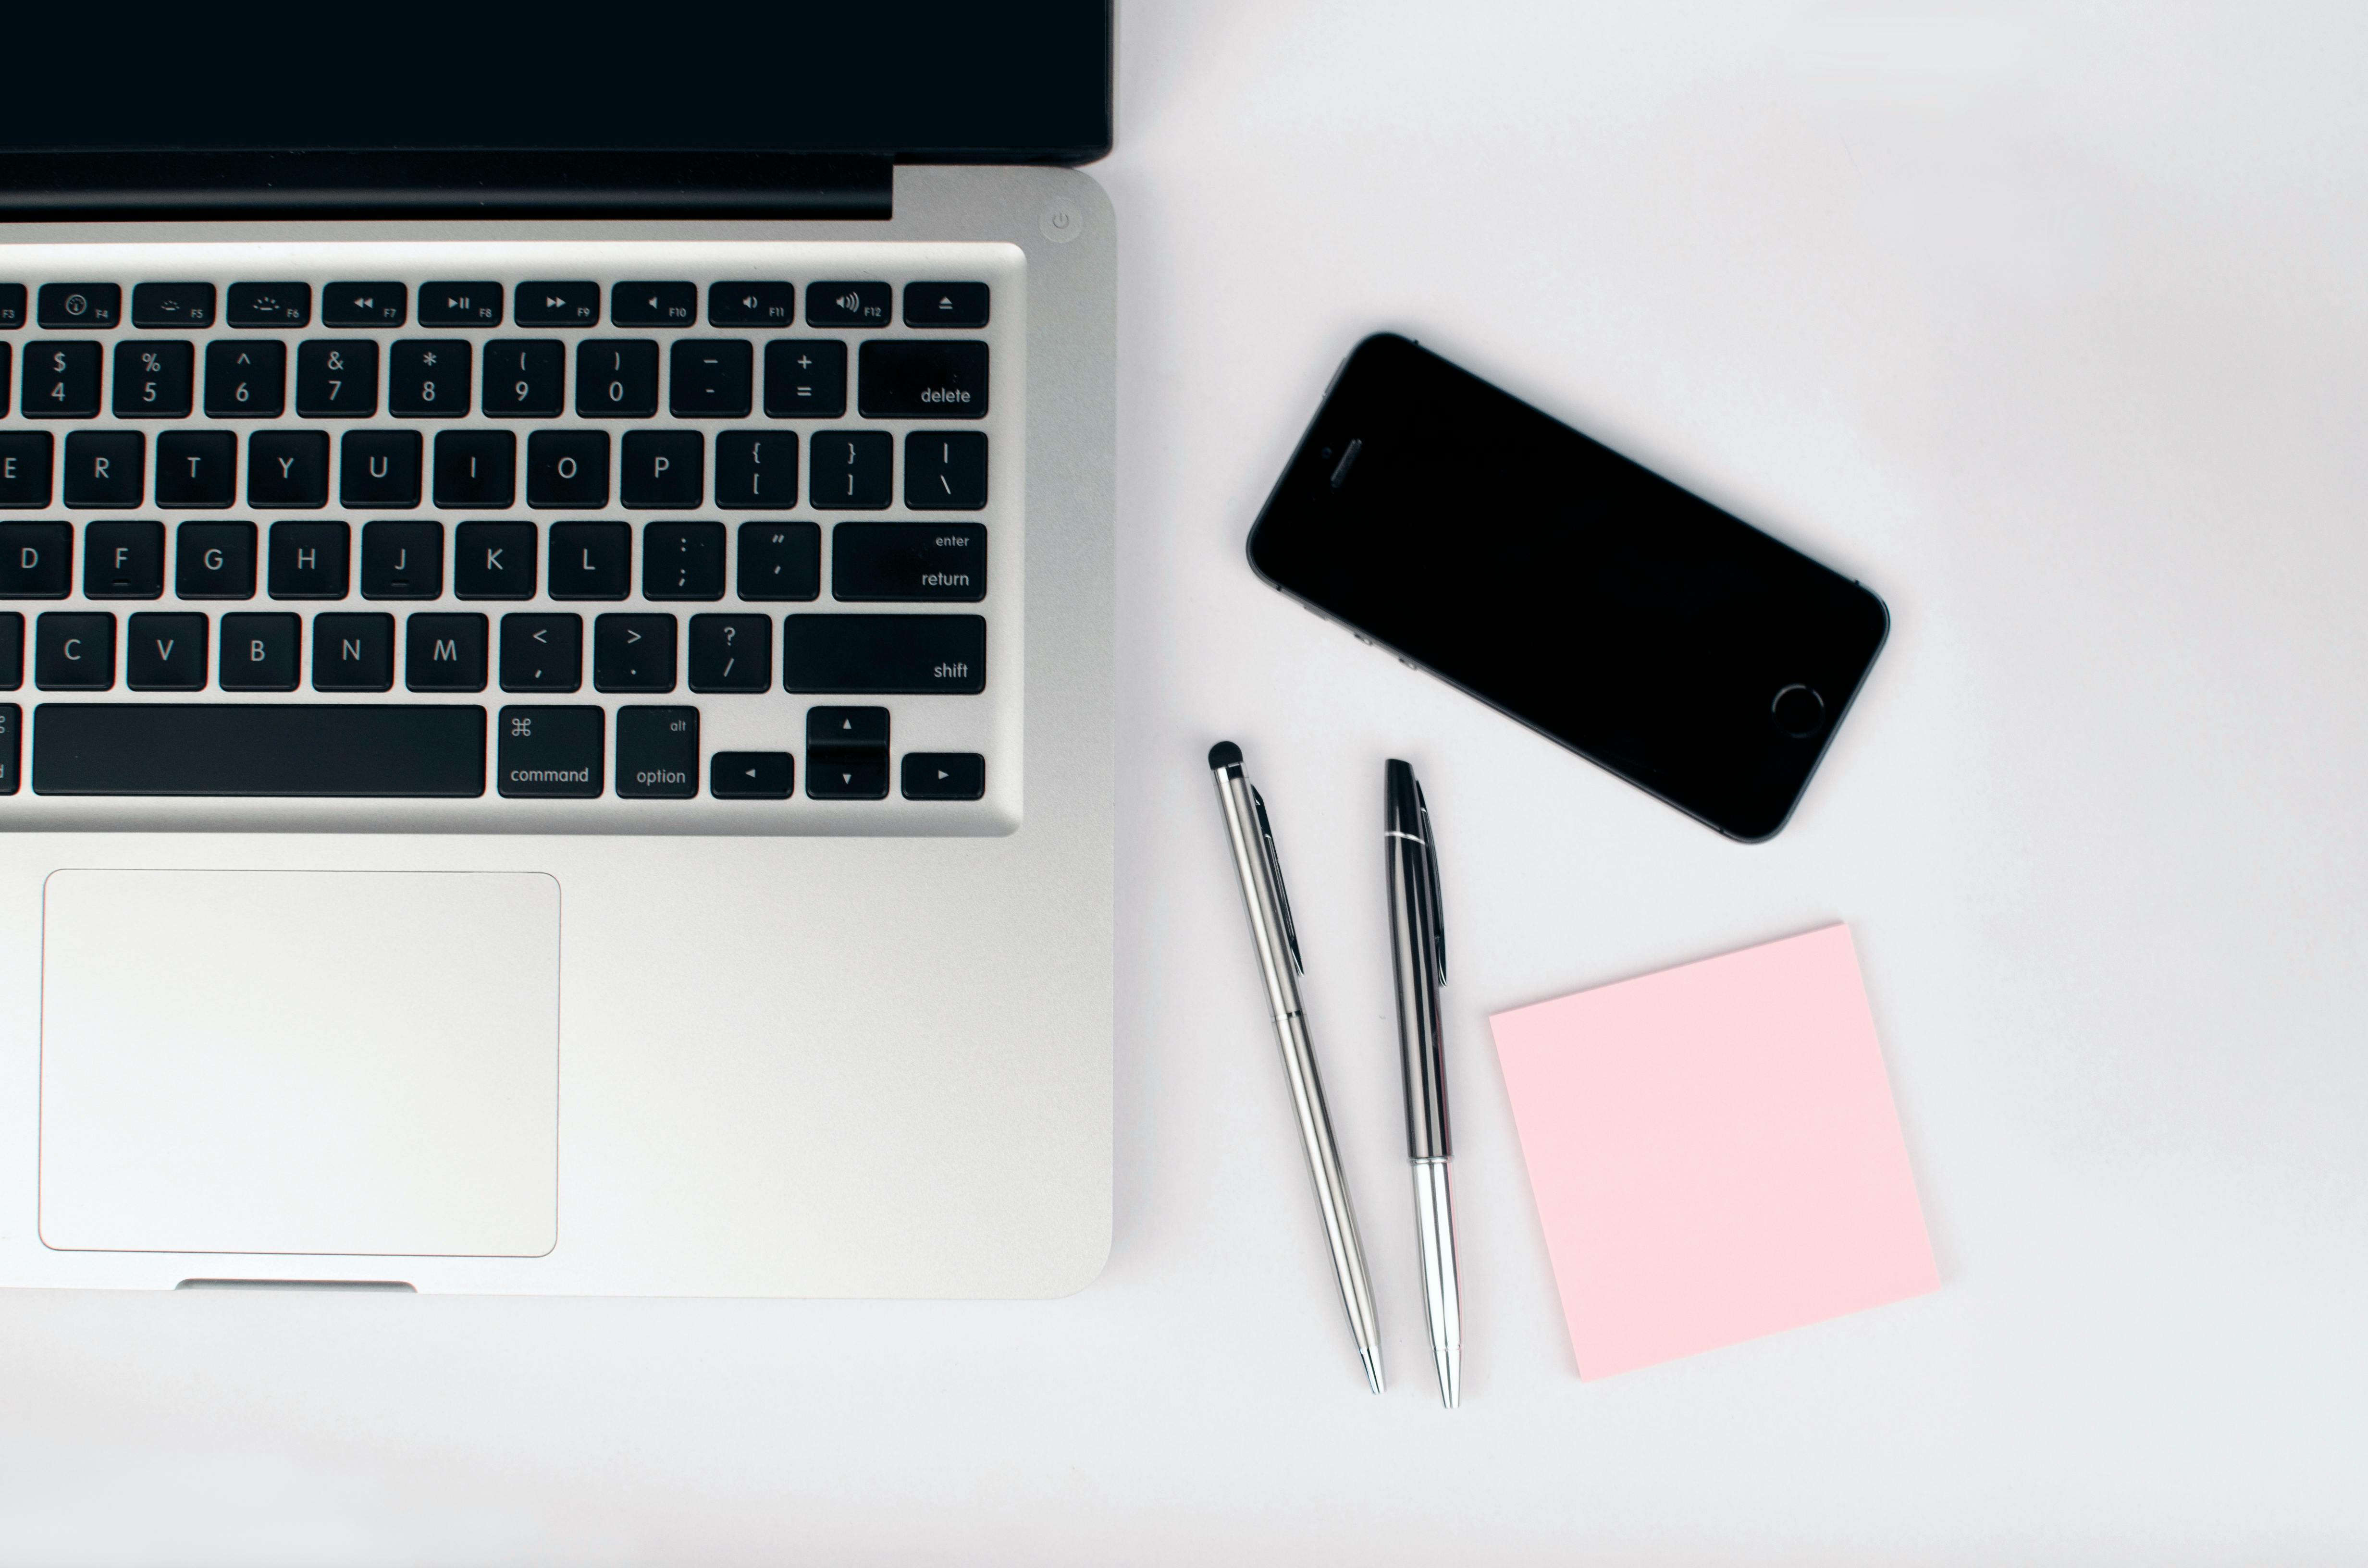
<point x="2047" y="323"/>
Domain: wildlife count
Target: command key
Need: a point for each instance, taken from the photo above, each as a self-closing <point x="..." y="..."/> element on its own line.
<point x="551" y="753"/>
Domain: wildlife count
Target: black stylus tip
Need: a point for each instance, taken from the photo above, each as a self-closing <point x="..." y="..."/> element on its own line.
<point x="1225" y="754"/>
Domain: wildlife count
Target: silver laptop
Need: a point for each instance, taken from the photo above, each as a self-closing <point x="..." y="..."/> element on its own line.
<point x="555" y="682"/>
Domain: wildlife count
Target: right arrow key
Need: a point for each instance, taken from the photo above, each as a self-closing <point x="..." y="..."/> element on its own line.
<point x="944" y="776"/>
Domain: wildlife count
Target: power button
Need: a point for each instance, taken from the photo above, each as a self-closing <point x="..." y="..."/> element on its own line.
<point x="1062" y="222"/>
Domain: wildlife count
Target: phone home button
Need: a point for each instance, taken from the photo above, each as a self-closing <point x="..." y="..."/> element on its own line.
<point x="1797" y="711"/>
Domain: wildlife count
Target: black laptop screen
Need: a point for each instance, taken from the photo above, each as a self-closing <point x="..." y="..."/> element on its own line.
<point x="976" y="82"/>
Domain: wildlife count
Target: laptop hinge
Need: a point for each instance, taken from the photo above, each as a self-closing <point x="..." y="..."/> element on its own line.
<point x="87" y="184"/>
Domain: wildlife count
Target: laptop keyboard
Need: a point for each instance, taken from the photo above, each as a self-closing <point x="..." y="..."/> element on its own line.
<point x="511" y="537"/>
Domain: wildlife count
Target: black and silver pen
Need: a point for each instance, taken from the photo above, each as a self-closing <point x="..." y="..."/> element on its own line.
<point x="1418" y="953"/>
<point x="1261" y="870"/>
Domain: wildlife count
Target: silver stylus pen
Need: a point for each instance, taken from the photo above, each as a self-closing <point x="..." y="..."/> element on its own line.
<point x="1278" y="950"/>
<point x="1419" y="952"/>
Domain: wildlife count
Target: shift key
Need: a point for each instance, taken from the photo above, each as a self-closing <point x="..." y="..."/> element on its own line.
<point x="884" y="654"/>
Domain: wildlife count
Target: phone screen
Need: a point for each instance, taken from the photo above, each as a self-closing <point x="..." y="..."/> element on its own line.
<point x="1568" y="586"/>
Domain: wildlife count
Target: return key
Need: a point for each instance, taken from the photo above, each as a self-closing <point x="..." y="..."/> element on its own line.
<point x="912" y="562"/>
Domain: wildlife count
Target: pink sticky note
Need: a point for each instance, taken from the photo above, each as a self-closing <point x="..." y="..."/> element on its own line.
<point x="1714" y="1152"/>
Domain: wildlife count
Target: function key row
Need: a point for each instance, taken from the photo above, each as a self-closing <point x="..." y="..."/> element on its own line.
<point x="389" y="470"/>
<point x="423" y="751"/>
<point x="871" y="562"/>
<point x="523" y="378"/>
<point x="449" y="652"/>
<point x="747" y="302"/>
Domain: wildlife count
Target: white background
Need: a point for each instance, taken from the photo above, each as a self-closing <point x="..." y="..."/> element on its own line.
<point x="2044" y="321"/>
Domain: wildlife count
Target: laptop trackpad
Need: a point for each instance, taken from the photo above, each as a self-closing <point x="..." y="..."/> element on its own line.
<point x="301" y="1061"/>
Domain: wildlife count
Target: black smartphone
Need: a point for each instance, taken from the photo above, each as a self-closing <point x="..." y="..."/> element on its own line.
<point x="1567" y="586"/>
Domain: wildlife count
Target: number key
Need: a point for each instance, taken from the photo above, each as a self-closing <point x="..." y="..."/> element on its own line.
<point x="246" y="381"/>
<point x="616" y="378"/>
<point x="336" y="378"/>
<point x="61" y="380"/>
<point x="154" y="379"/>
<point x="524" y="376"/>
<point x="428" y="378"/>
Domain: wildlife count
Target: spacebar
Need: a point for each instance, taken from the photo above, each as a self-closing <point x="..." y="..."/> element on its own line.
<point x="171" y="748"/>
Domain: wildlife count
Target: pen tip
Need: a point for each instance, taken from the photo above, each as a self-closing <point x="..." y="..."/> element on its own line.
<point x="1451" y="1376"/>
<point x="1225" y="754"/>
<point x="1372" y="1361"/>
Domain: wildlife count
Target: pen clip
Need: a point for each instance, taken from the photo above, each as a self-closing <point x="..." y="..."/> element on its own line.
<point x="1274" y="866"/>
<point x="1437" y="908"/>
